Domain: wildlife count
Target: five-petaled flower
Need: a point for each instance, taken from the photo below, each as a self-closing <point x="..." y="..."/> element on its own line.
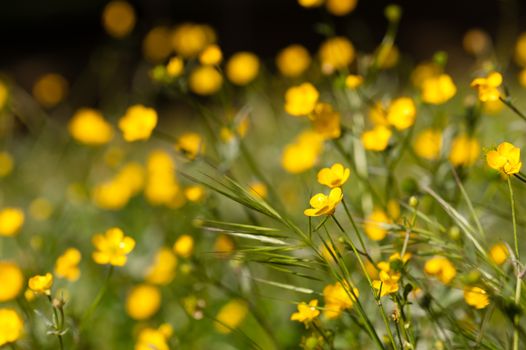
<point x="335" y="176"/>
<point x="306" y="312"/>
<point x="506" y="159"/>
<point x="112" y="247"/>
<point x="324" y="205"/>
<point x="488" y="87"/>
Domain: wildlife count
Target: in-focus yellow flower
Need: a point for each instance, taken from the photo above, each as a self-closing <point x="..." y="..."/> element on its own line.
<point x="7" y="164"/>
<point x="162" y="271"/>
<point x="306" y="312"/>
<point x="242" y="68"/>
<point x="184" y="246"/>
<point x="11" y="326"/>
<point x="11" y="280"/>
<point x="211" y="55"/>
<point x="326" y="121"/>
<point x="353" y="81"/>
<point x="438" y="89"/>
<point x="143" y="301"/>
<point x="376" y="139"/>
<point x="231" y="315"/>
<point x="300" y="100"/>
<point x="41" y="284"/>
<point x="293" y="60"/>
<point x="191" y="144"/>
<point x="341" y="7"/>
<point x="335" y="176"/>
<point x="258" y="189"/>
<point x="189" y="39"/>
<point x="310" y="3"/>
<point x="50" y="89"/>
<point x="499" y="253"/>
<point x="89" y="127"/>
<point x="465" y="150"/>
<point x="154" y="339"/>
<point x="67" y="265"/>
<point x="388" y="279"/>
<point x="338" y="298"/>
<point x="488" y="87"/>
<point x="401" y="113"/>
<point x="4" y="94"/>
<point x="175" y="67"/>
<point x="476" y="297"/>
<point x="112" y="247"/>
<point x="156" y="45"/>
<point x="441" y="268"/>
<point x="374" y="225"/>
<point x="428" y="144"/>
<point x="194" y="193"/>
<point x="324" y="205"/>
<point x="520" y="50"/>
<point x="336" y="53"/>
<point x="138" y="123"/>
<point x="224" y="245"/>
<point x="303" y="153"/>
<point x="11" y="220"/>
<point x="506" y="159"/>
<point x="118" y="18"/>
<point x="205" y="80"/>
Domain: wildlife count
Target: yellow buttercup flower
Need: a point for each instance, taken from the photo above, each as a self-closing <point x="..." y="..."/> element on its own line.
<point x="388" y="279"/>
<point x="194" y="193"/>
<point x="499" y="253"/>
<point x="401" y="113"/>
<point x="231" y="315"/>
<point x="162" y="271"/>
<point x="41" y="284"/>
<point x="11" y="326"/>
<point x="7" y="164"/>
<point x="488" y="87"/>
<point x="506" y="159"/>
<point x="438" y="89"/>
<point x="353" y="81"/>
<point x="465" y="150"/>
<point x="67" y="265"/>
<point x="118" y="18"/>
<point x="161" y="185"/>
<point x="258" y="189"/>
<point x="205" y="80"/>
<point x="211" y="55"/>
<point x="335" y="176"/>
<point x="184" y="246"/>
<point x="89" y="127"/>
<point x="326" y="121"/>
<point x="175" y="67"/>
<point x="306" y="312"/>
<point x="300" y="100"/>
<point x="336" y="53"/>
<point x="11" y="280"/>
<point x="191" y="144"/>
<point x="138" y="123"/>
<point x="341" y="7"/>
<point x="425" y="71"/>
<point x="224" y="245"/>
<point x="324" y="205"/>
<point x="189" y="39"/>
<point x="303" y="153"/>
<point x="111" y="195"/>
<point x="156" y="45"/>
<point x="428" y="144"/>
<point x="441" y="268"/>
<point x="11" y="221"/>
<point x="242" y="68"/>
<point x="376" y="139"/>
<point x="143" y="301"/>
<point x="337" y="299"/>
<point x="112" y="247"/>
<point x="154" y="339"/>
<point x="293" y="60"/>
<point x="374" y="225"/>
<point x="310" y="3"/>
<point x="50" y="89"/>
<point x="520" y="50"/>
<point x="476" y="297"/>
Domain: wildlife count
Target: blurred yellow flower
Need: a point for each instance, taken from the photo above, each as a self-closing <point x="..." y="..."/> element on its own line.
<point x="441" y="268"/>
<point x="401" y="113"/>
<point x="189" y="39"/>
<point x="335" y="176"/>
<point x="338" y="298"/>
<point x="50" y="89"/>
<point x="293" y="60"/>
<point x="112" y="247"/>
<point x="301" y="100"/>
<point x="184" y="246"/>
<point x="118" y="18"/>
<point x="11" y="326"/>
<point x="41" y="284"/>
<point x="143" y="301"/>
<point x="428" y="144"/>
<point x="310" y="3"/>
<point x="40" y="209"/>
<point x="425" y="71"/>
<point x="476" y="42"/>
<point x="175" y="67"/>
<point x="138" y="123"/>
<point x="67" y="265"/>
<point x="4" y="94"/>
<point x="11" y="281"/>
<point x="224" y="245"/>
<point x="157" y="45"/>
<point x="161" y="185"/>
<point x="111" y="194"/>
<point x="520" y="50"/>
<point x="7" y="164"/>
<point x="162" y="271"/>
<point x="388" y="57"/>
<point x="194" y="193"/>
<point x="306" y="312"/>
<point x="341" y="7"/>
<point x="242" y="68"/>
<point x="353" y="81"/>
<point x="374" y="225"/>
<point x="438" y="89"/>
<point x="506" y="159"/>
<point x="154" y="339"/>
<point x="258" y="189"/>
<point x="336" y="53"/>
<point x="191" y="144"/>
<point x="303" y="153"/>
<point x="476" y="297"/>
<point x="376" y="139"/>
<point x="205" y="80"/>
<point x="326" y="121"/>
<point x="89" y="127"/>
<point x="499" y="253"/>
<point x="465" y="150"/>
<point x="11" y="220"/>
<point x="522" y="78"/>
<point x="492" y="107"/>
<point x="324" y="204"/>
<point x="211" y="55"/>
<point x="231" y="315"/>
<point x="388" y="279"/>
<point x="488" y="87"/>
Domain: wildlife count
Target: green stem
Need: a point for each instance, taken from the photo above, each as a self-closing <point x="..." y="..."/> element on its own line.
<point x="56" y="323"/>
<point x="511" y="106"/>
<point x="87" y="315"/>
<point x="518" y="286"/>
